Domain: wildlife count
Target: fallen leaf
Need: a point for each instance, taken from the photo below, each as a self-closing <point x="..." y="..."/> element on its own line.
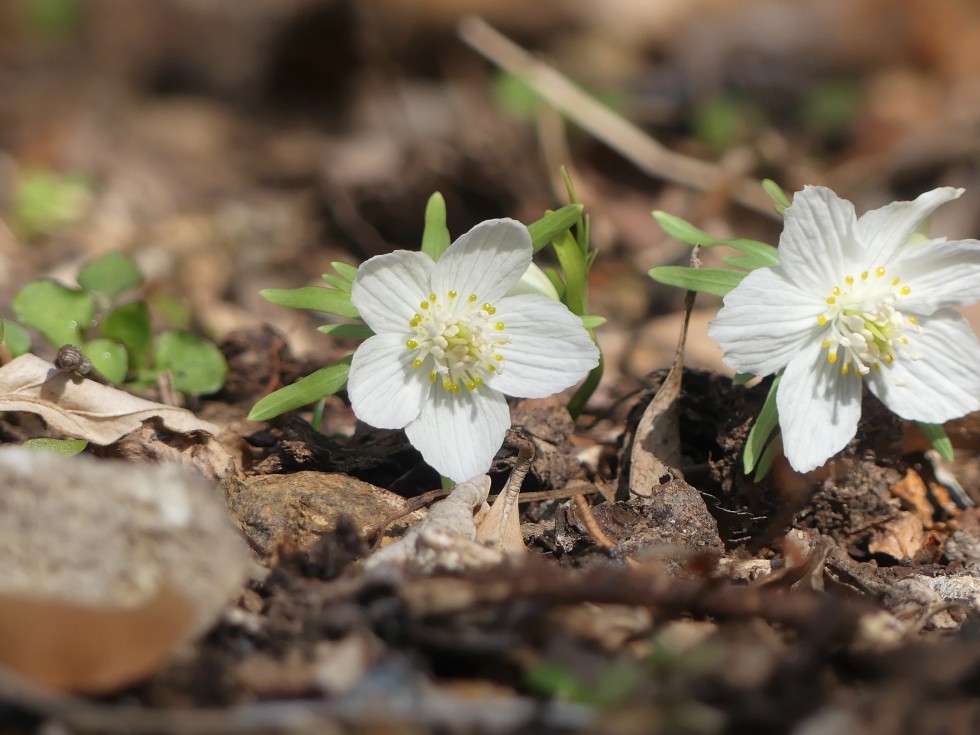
<point x="82" y="408"/>
<point x="197" y="450"/>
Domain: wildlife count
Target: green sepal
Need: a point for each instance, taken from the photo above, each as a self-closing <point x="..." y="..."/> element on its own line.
<point x="345" y="271"/>
<point x="338" y="283"/>
<point x="717" y="281"/>
<point x="65" y="447"/>
<point x="937" y="436"/>
<point x="576" y="271"/>
<point x="762" y="429"/>
<point x="108" y="357"/>
<point x="591" y="321"/>
<point x="315" y="298"/>
<point x="758" y="254"/>
<point x="111" y="275"/>
<point x="324" y="382"/>
<point x="435" y="236"/>
<point x="59" y="313"/>
<point x="553" y="224"/>
<point x="351" y="331"/>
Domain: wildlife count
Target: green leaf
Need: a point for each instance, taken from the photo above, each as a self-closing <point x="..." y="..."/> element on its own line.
<point x="45" y="201"/>
<point x="337" y="282"/>
<point x="556" y="282"/>
<point x="130" y="324"/>
<point x="324" y="382"/>
<point x="16" y="338"/>
<point x="761" y="429"/>
<point x="717" y="281"/>
<point x="775" y="191"/>
<point x="110" y="275"/>
<point x="553" y="224"/>
<point x="435" y="236"/>
<point x="315" y="298"/>
<point x="197" y="366"/>
<point x="66" y="447"/>
<point x="351" y="331"/>
<point x="174" y="313"/>
<point x="575" y="270"/>
<point x="766" y="460"/>
<point x="936" y="434"/>
<point x="108" y="357"/>
<point x="760" y="254"/>
<point x="59" y="313"/>
<point x="591" y="321"/>
<point x="345" y="271"/>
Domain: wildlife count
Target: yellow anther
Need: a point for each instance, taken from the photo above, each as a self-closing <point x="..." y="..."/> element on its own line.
<point x="424" y="304"/>
<point x="499" y="326"/>
<point x="896" y="281"/>
<point x="906" y="290"/>
<point x="453" y="294"/>
<point x="478" y="380"/>
<point x="903" y="340"/>
<point x="825" y="344"/>
<point x="831" y="300"/>
<point x="880" y="271"/>
<point x="875" y="366"/>
<point x="889" y="359"/>
<point x="416" y="364"/>
<point x="472" y="298"/>
<point x="447" y="384"/>
<point x="455" y="387"/>
<point x="498" y="358"/>
<point x="836" y="290"/>
<point x="489" y="309"/>
<point x="845" y="369"/>
<point x="913" y="320"/>
<point x="831" y="357"/>
<point x="470" y="385"/>
<point x="432" y="297"/>
<point x="432" y="377"/>
<point x="492" y="368"/>
<point x="411" y="344"/>
<point x="849" y="280"/>
<point x="821" y="320"/>
<point x="864" y="275"/>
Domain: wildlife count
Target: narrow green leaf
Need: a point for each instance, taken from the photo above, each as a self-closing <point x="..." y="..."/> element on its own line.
<point x="66" y="447"/>
<point x="110" y="275"/>
<point x="338" y="283"/>
<point x="435" y="236"/>
<point x="575" y="270"/>
<point x="775" y="191"/>
<point x="351" y="331"/>
<point x="761" y="429"/>
<point x="591" y="321"/>
<point x="324" y="382"/>
<point x="936" y="434"/>
<point x="717" y="281"/>
<point x="1" y="329"/>
<point x="59" y="313"/>
<point x="553" y="224"/>
<point x="345" y="271"/>
<point x="108" y="357"/>
<point x="16" y="338"/>
<point x="680" y="229"/>
<point x="315" y="298"/>
<point x="197" y="366"/>
<point x="766" y="460"/>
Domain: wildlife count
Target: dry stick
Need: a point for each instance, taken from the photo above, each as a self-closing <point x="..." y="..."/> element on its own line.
<point x="609" y="127"/>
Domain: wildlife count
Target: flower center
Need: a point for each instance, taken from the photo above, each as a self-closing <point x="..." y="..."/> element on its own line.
<point x="458" y="340"/>
<point x="865" y="325"/>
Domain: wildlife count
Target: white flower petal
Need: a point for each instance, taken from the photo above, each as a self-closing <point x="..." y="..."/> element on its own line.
<point x="549" y="349"/>
<point x="765" y="322"/>
<point x="939" y="274"/>
<point x="818" y="409"/>
<point x="459" y="433"/>
<point x="385" y="390"/>
<point x="944" y="383"/>
<point x="487" y="261"/>
<point x="388" y="289"/>
<point x="817" y="246"/>
<point x="884" y="231"/>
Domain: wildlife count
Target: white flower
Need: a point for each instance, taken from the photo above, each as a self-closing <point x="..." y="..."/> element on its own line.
<point x="449" y="343"/>
<point x="857" y="298"/>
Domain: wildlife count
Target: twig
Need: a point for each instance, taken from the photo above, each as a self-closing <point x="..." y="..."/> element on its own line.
<point x="609" y="127"/>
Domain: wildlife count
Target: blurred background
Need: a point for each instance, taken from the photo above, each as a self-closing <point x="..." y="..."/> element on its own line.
<point x="237" y="145"/>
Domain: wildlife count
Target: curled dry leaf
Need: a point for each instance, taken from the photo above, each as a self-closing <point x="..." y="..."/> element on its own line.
<point x="106" y="567"/>
<point x="82" y="408"/>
